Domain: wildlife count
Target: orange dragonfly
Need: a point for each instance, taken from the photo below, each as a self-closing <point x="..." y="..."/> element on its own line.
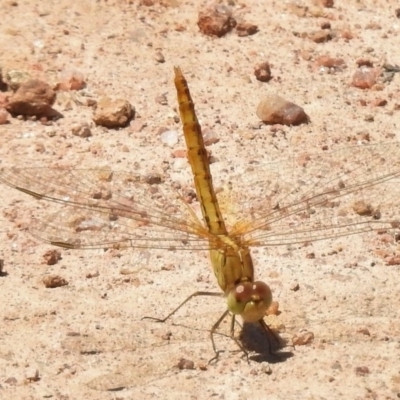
<point x="302" y="199"/>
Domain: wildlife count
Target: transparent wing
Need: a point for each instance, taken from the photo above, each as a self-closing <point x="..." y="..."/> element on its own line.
<point x="318" y="196"/>
<point x="108" y="209"/>
<point x="304" y="198"/>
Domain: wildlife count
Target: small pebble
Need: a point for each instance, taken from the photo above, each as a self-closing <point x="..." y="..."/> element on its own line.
<point x="33" y="98"/>
<point x="153" y="178"/>
<point x="179" y="153"/>
<point x="324" y="3"/>
<point x="362" y="371"/>
<point x="12" y="381"/>
<point x="379" y="103"/>
<point x="337" y="366"/>
<point x="54" y="281"/>
<point x="90" y="275"/>
<point x="273" y="109"/>
<point x="169" y="138"/>
<point x="159" y="57"/>
<point x="216" y="20"/>
<point x="329" y="62"/>
<point x="321" y="36"/>
<point x="273" y="309"/>
<point x="203" y="367"/>
<point x="325" y="25"/>
<point x="81" y="130"/>
<point x="246" y="29"/>
<point x="210" y="137"/>
<point x="179" y="164"/>
<point x="71" y="79"/>
<point x="266" y="368"/>
<point x="51" y="257"/>
<point x="262" y="72"/>
<point x="365" y="77"/>
<point x="393" y="260"/>
<point x="364" y="331"/>
<point x="360" y="207"/>
<point x="364" y="62"/>
<point x="113" y="113"/>
<point x="185" y="364"/>
<point x="303" y="338"/>
<point x="369" y="118"/>
<point x="162" y="99"/>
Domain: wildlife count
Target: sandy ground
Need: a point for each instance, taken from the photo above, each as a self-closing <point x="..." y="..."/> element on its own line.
<point x="81" y="340"/>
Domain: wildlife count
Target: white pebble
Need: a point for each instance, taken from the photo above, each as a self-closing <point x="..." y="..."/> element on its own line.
<point x="179" y="164"/>
<point x="169" y="138"/>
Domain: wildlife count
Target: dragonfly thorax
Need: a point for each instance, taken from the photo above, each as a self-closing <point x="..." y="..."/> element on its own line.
<point x="232" y="266"/>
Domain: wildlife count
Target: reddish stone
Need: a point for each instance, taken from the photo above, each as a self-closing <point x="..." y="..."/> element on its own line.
<point x="273" y="109"/>
<point x="212" y="22"/>
<point x="262" y="72"/>
<point x="33" y="98"/>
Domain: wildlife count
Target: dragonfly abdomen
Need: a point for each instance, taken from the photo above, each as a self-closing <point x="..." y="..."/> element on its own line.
<point x="197" y="155"/>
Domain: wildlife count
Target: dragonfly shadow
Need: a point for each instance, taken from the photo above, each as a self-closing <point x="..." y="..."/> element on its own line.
<point x="254" y="339"/>
<point x="266" y="345"/>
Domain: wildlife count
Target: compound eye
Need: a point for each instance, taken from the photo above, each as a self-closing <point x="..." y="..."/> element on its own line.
<point x="243" y="292"/>
<point x="263" y="291"/>
<point x="250" y="299"/>
<point x="239" y="296"/>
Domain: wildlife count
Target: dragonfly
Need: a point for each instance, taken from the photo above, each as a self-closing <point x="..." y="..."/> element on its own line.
<point x="302" y="199"/>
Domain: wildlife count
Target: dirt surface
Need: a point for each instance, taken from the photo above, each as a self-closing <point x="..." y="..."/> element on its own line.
<point x="87" y="338"/>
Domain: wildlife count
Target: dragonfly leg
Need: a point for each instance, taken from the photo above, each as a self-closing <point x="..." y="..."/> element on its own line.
<point x="195" y="294"/>
<point x="215" y="326"/>
<point x="212" y="332"/>
<point x="232" y="336"/>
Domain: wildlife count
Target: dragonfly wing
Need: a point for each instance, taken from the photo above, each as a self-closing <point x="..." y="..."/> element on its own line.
<point x="318" y="196"/>
<point x="108" y="208"/>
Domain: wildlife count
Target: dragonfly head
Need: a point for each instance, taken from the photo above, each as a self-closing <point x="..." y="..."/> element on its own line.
<point x="250" y="300"/>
